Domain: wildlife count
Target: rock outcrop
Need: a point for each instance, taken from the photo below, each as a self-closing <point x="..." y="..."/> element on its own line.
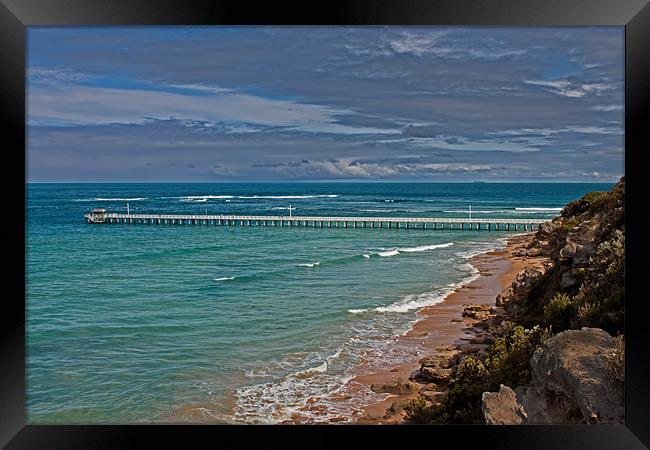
<point x="518" y="291"/>
<point x="502" y="408"/>
<point x="400" y="387"/>
<point x="570" y="383"/>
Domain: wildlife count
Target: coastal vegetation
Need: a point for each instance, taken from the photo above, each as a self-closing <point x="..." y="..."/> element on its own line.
<point x="581" y="287"/>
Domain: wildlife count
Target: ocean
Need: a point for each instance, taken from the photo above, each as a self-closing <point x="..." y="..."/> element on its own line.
<point x="155" y="323"/>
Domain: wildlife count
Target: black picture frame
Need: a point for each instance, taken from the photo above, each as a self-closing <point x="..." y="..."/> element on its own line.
<point x="16" y="15"/>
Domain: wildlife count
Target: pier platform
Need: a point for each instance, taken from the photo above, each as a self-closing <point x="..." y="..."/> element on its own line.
<point x="422" y="223"/>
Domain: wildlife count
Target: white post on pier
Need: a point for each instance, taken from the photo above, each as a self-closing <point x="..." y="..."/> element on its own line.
<point x="128" y="213"/>
<point x="290" y="209"/>
<point x="470" y="212"/>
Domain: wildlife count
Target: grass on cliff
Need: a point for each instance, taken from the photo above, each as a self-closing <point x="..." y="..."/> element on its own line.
<point x="596" y="298"/>
<point x="598" y="302"/>
<point x="507" y="361"/>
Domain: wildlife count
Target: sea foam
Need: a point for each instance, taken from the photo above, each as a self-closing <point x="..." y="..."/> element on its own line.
<point x="224" y="279"/>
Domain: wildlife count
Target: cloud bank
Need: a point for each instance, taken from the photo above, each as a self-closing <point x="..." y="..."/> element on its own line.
<point x="325" y="103"/>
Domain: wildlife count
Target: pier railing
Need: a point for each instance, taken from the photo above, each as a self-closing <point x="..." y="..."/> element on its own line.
<point x="318" y="221"/>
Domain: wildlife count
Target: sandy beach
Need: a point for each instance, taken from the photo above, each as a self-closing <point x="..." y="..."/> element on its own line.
<point x="442" y="325"/>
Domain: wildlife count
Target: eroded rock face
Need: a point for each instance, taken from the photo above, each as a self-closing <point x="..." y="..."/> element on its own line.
<point x="570" y="384"/>
<point x="570" y="380"/>
<point x="519" y="289"/>
<point x="502" y="408"/>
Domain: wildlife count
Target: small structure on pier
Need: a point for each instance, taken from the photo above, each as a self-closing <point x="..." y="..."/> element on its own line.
<point x="97" y="215"/>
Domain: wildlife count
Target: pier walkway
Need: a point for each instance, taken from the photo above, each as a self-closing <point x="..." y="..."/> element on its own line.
<point x="422" y="223"/>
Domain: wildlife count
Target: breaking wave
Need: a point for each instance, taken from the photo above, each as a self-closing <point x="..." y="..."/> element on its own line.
<point x="417" y="301"/>
<point x="539" y="209"/>
<point x="103" y="199"/>
<point x="419" y="248"/>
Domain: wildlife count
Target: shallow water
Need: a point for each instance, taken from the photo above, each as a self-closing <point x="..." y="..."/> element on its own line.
<point x="131" y="323"/>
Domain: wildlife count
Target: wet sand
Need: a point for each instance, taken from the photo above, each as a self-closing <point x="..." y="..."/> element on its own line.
<point x="442" y="325"/>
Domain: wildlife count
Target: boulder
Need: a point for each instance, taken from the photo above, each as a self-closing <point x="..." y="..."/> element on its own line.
<point x="445" y="359"/>
<point x="478" y="312"/>
<point x="436" y="374"/>
<point x="502" y="408"/>
<point x="433" y="396"/>
<point x="571" y="382"/>
<point x="400" y="387"/>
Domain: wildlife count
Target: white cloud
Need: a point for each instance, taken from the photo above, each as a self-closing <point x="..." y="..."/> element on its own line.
<point x="607" y="108"/>
<point x="85" y="105"/>
<point x="463" y="145"/>
<point x="36" y="74"/>
<point x="349" y="168"/>
<point x="417" y="44"/>
<point x="566" y="88"/>
<point x="212" y="89"/>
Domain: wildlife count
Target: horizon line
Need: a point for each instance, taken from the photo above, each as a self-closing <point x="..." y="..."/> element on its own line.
<point x="333" y="182"/>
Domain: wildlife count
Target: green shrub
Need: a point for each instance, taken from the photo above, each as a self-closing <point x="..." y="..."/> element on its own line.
<point x="600" y="299"/>
<point x="560" y="312"/>
<point x="418" y="411"/>
<point x="571" y="223"/>
<point x="594" y="197"/>
<point x="509" y="357"/>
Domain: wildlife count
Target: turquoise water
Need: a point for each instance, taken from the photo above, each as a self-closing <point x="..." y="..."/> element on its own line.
<point x="135" y="323"/>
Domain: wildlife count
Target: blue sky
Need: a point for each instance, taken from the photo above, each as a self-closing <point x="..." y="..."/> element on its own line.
<point x="325" y="103"/>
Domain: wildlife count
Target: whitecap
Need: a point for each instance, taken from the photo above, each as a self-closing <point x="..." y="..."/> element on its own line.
<point x="190" y="198"/>
<point x="286" y="197"/>
<point x="423" y="248"/>
<point x="224" y="279"/>
<point x="104" y="199"/>
<point x="539" y="209"/>
<point x="389" y="253"/>
<point x="309" y="264"/>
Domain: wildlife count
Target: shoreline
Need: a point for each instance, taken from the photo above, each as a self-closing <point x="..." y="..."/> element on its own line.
<point x="442" y="327"/>
<point x="439" y="328"/>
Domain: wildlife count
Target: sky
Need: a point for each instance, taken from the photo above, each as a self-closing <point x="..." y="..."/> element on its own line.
<point x="437" y="104"/>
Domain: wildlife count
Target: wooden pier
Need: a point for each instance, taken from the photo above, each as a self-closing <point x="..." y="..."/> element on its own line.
<point x="421" y="223"/>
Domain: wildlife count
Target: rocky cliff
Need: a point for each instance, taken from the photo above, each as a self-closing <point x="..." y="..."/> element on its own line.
<point x="583" y="282"/>
<point x="551" y="350"/>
